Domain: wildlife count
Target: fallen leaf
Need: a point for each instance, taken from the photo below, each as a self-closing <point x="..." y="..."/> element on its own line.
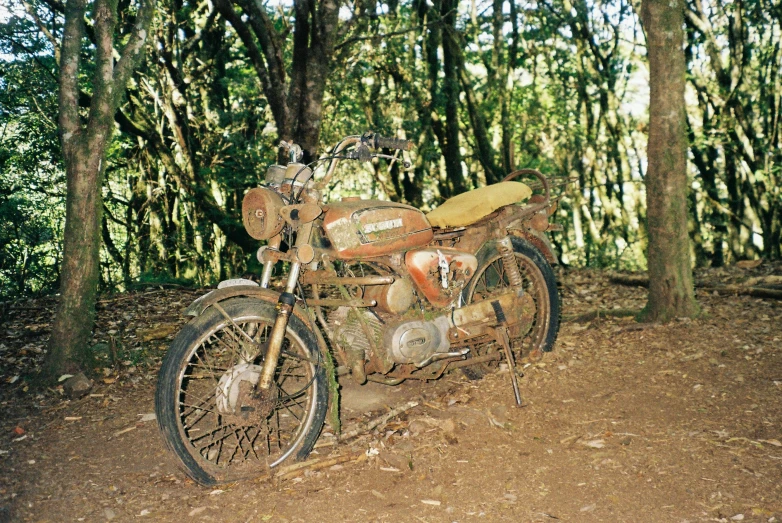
<point x="196" y="511"/>
<point x="156" y="333"/>
<point x="748" y="264"/>
<point x="774" y="442"/>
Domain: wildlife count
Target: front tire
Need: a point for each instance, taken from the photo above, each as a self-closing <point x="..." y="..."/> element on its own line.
<point x="206" y="405"/>
<point x="538" y="281"/>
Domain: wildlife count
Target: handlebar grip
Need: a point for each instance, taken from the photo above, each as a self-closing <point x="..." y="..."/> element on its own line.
<point x="392" y="143"/>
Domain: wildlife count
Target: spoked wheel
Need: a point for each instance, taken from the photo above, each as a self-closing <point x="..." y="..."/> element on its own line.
<point x="219" y="425"/>
<point x="538" y="281"/>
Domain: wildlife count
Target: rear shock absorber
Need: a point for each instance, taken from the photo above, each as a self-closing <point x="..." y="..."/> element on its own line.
<point x="505" y="247"/>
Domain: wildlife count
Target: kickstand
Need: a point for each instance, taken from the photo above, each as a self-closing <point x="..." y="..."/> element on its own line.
<point x="501" y="333"/>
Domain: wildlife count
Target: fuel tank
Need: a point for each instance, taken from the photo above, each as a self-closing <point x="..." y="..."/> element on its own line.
<point x="369" y="228"/>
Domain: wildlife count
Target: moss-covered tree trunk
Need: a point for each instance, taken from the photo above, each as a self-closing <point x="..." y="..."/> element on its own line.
<point x="84" y="141"/>
<point x="671" y="292"/>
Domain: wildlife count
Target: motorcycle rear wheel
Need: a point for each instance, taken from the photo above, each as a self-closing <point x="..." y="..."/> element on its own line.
<point x="207" y="409"/>
<point x="538" y="281"/>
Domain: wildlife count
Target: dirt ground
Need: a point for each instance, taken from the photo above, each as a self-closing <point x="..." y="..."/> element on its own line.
<point x="622" y="422"/>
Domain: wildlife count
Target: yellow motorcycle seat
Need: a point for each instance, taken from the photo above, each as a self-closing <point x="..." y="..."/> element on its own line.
<point x="469" y="207"/>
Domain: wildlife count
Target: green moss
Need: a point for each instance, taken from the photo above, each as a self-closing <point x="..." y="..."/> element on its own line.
<point x="331" y="379"/>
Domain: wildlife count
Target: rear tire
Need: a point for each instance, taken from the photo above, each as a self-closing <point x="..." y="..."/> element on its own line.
<point x="207" y="413"/>
<point x="538" y="281"/>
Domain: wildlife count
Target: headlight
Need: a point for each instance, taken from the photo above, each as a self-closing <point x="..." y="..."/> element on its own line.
<point x="261" y="213"/>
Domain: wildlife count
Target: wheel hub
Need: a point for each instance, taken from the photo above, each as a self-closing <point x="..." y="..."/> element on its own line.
<point x="239" y="401"/>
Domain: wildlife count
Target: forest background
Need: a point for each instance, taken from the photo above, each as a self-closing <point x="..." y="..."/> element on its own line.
<point x="481" y="87"/>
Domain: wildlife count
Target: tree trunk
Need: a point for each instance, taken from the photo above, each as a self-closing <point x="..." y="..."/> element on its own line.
<point x="84" y="146"/>
<point x="671" y="293"/>
<point x="72" y="327"/>
<point x="451" y="151"/>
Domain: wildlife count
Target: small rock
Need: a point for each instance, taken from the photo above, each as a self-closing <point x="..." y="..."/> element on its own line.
<point x="196" y="511"/>
<point x="77" y="386"/>
<point x="110" y="514"/>
<point x="416" y="427"/>
<point x="738" y="517"/>
<point x="394" y="460"/>
<point x="499" y="413"/>
<point x="626" y="441"/>
<point x="594" y="444"/>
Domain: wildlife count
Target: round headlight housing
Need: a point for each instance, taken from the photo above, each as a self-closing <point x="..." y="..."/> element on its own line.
<point x="261" y="213"/>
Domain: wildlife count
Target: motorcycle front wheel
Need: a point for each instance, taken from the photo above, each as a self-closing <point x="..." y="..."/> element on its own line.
<point x="208" y="409"/>
<point x="538" y="281"/>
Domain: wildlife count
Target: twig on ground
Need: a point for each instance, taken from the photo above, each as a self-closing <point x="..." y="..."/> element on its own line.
<point x="297" y="469"/>
<point x="371" y="424"/>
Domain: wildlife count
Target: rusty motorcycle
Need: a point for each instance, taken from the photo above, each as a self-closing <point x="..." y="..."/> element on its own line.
<point x="374" y="289"/>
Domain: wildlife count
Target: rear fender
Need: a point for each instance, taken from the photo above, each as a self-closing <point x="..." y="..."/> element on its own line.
<point x="198" y="307"/>
<point x="540" y="241"/>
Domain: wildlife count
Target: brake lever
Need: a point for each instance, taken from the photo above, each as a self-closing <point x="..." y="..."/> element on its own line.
<point x="405" y="163"/>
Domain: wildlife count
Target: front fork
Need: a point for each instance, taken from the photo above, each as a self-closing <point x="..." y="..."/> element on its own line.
<point x="285" y="305"/>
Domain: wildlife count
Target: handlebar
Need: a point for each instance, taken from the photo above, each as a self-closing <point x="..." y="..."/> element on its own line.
<point x="381" y="142"/>
<point x="369" y="139"/>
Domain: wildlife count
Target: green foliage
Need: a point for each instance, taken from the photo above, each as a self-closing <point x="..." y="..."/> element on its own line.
<point x="558" y="86"/>
<point x="147" y="279"/>
<point x="31" y="179"/>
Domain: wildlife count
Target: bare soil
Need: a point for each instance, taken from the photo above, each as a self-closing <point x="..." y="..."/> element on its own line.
<point x="622" y="422"/>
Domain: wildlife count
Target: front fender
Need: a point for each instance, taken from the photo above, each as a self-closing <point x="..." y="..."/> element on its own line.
<point x="202" y="303"/>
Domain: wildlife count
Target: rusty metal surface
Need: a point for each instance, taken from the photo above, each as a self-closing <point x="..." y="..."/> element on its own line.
<point x="505" y="248"/>
<point x="261" y="213"/>
<point x="482" y="312"/>
<point x="539" y="240"/>
<point x="422" y="265"/>
<point x="330" y="302"/>
<point x="274" y="347"/>
<point x="539" y="221"/>
<point x="366" y="228"/>
<point x="328" y="278"/>
<point x="250" y="291"/>
<point x="395" y="298"/>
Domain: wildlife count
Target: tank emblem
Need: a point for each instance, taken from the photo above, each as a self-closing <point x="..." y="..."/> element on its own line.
<point x="382" y="226"/>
